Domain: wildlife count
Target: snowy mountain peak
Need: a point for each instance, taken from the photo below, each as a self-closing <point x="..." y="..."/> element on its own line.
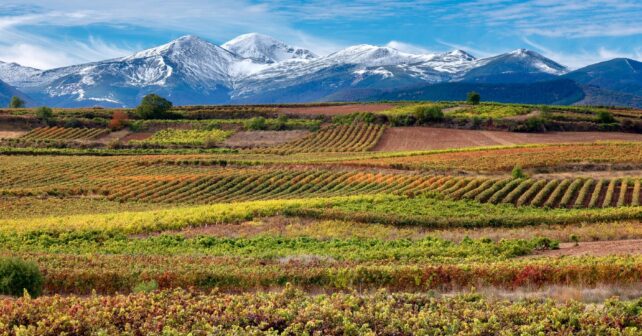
<point x="12" y="73"/>
<point x="184" y="46"/>
<point x="462" y="55"/>
<point x="369" y="55"/>
<point x="265" y="49"/>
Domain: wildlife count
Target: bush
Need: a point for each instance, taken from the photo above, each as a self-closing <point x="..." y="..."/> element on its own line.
<point x="154" y="107"/>
<point x="44" y="113"/>
<point x="427" y="114"/>
<point x="256" y="124"/>
<point x="17" y="275"/>
<point x="604" y="117"/>
<point x="473" y="98"/>
<point x="118" y="120"/>
<point x="16" y="102"/>
<point x="518" y="172"/>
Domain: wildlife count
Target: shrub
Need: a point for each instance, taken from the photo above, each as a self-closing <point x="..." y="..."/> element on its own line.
<point x="473" y="98"/>
<point x="146" y="287"/>
<point x="427" y="114"/>
<point x="256" y="124"/>
<point x="44" y="113"/>
<point x="16" y="102"/>
<point x="154" y="107"/>
<point x="518" y="172"/>
<point x="118" y="120"/>
<point x="17" y="275"/>
<point x="604" y="117"/>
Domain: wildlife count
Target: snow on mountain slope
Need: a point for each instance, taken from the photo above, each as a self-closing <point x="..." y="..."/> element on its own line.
<point x="13" y="73"/>
<point x="265" y="49"/>
<point x="255" y="67"/>
<point x="188" y="64"/>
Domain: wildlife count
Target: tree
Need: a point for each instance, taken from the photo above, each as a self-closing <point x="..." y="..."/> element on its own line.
<point x="604" y="117"/>
<point x="44" y="113"/>
<point x="473" y="98"/>
<point x="16" y="102"/>
<point x="17" y="276"/>
<point x="153" y="106"/>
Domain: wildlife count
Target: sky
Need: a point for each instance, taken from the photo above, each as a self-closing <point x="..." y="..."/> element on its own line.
<point x="54" y="33"/>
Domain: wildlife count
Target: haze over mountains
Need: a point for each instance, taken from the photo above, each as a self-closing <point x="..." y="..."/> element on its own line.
<point x="255" y="68"/>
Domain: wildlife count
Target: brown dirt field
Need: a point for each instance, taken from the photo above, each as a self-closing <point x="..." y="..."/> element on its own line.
<point x="11" y="134"/>
<point x="246" y="139"/>
<point x="335" y="110"/>
<point x="429" y="138"/>
<point x="598" y="248"/>
<point x="136" y="136"/>
<point x="111" y="136"/>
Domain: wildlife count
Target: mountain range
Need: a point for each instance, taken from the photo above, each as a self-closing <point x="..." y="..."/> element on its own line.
<point x="255" y="68"/>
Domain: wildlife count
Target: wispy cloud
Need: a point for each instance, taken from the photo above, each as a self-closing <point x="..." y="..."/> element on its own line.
<point x="408" y="47"/>
<point x="580" y="58"/>
<point x="209" y="19"/>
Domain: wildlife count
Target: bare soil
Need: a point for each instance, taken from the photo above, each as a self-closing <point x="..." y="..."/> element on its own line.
<point x="136" y="136"/>
<point x="245" y="139"/>
<point x="335" y="110"/>
<point x="11" y="134"/>
<point x="429" y="138"/>
<point x="598" y="248"/>
<point x="111" y="136"/>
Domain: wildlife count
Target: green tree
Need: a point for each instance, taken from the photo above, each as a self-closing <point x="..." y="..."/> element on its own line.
<point x="473" y="98"/>
<point x="44" y="113"/>
<point x="604" y="117"/>
<point x="153" y="106"/>
<point x="16" y="102"/>
<point x="17" y="275"/>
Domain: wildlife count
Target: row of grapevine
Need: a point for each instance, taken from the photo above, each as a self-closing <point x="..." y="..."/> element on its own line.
<point x="65" y="133"/>
<point x="275" y="184"/>
<point x="554" y="193"/>
<point x="338" y="138"/>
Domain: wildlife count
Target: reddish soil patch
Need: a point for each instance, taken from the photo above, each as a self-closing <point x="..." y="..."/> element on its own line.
<point x="136" y="136"/>
<point x="598" y="248"/>
<point x="428" y="138"/>
<point x="335" y="110"/>
<point x="247" y="139"/>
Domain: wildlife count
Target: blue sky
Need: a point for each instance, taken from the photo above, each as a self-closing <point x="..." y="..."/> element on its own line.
<point x="54" y="33"/>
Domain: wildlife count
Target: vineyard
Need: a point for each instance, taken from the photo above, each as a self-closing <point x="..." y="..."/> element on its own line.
<point x="352" y="138"/>
<point x="185" y="137"/>
<point x="288" y="219"/>
<point x="62" y="133"/>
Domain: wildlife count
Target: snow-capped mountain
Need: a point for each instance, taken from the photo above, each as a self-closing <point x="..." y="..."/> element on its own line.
<point x="188" y="69"/>
<point x="518" y="66"/>
<point x="12" y="73"/>
<point x="258" y="68"/>
<point x="265" y="49"/>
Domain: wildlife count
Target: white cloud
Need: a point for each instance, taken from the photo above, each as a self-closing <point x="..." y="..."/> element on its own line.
<point x="581" y="58"/>
<point x="222" y="19"/>
<point x="407" y="47"/>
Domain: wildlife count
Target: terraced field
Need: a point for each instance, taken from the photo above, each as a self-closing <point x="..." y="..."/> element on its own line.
<point x="317" y="233"/>
<point x="62" y="133"/>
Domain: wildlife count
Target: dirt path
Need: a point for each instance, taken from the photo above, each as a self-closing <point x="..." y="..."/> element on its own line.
<point x="335" y="110"/>
<point x="11" y="134"/>
<point x="428" y="138"/>
<point x="598" y="248"/>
